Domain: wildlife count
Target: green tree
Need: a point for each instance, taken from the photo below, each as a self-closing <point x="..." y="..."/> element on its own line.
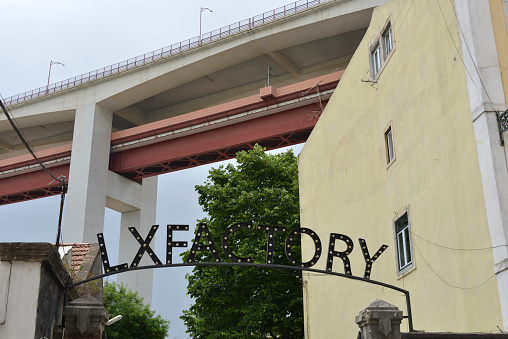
<point x="248" y="302"/>
<point x="138" y="320"/>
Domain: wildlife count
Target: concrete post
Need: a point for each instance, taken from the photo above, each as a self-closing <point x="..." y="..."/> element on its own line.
<point x="486" y="96"/>
<point x="85" y="318"/>
<point x="142" y="219"/>
<point x="379" y="320"/>
<point x="86" y="200"/>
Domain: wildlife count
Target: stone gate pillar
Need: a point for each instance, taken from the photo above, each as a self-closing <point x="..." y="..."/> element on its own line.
<point x="379" y="320"/>
<point x="85" y="318"/>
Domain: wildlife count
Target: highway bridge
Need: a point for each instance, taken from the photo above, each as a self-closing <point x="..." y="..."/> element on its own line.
<point x="111" y="131"/>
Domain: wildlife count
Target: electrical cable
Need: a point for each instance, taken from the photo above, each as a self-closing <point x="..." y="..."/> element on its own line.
<point x="405" y="16"/>
<point x="458" y="249"/>
<point x="490" y="103"/>
<point x="60" y="179"/>
<point x="19" y="129"/>
<point x="471" y="56"/>
<point x="320" y="81"/>
<point x="278" y="78"/>
<point x="447" y="283"/>
<point x="398" y="15"/>
<point x="23" y="140"/>
<point x="460" y="55"/>
<point x="372" y="83"/>
<point x="60" y="214"/>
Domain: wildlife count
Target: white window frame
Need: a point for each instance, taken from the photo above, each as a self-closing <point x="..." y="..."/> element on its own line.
<point x="389" y="145"/>
<point x="387" y="37"/>
<point x="376" y="59"/>
<point x="404" y="255"/>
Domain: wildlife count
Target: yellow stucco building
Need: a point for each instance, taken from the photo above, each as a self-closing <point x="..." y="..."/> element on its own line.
<point x="408" y="154"/>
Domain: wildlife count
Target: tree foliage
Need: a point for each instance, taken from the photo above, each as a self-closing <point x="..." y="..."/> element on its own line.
<point x="247" y="302"/>
<point x="138" y="320"/>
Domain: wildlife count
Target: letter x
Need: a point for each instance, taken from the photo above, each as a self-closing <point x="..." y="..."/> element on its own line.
<point x="145" y="246"/>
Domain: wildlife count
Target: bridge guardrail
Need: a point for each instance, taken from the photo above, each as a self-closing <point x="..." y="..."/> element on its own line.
<point x="162" y="53"/>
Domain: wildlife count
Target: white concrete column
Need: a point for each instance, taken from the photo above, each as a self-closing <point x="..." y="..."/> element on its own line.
<point x="495" y="189"/>
<point x="86" y="199"/>
<point x="143" y="219"/>
<point x="486" y="96"/>
<point x="495" y="181"/>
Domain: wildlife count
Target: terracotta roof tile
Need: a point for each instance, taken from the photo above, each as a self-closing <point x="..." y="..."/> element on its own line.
<point x="79" y="250"/>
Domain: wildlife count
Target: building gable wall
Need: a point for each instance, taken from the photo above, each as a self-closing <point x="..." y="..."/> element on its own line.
<point x="346" y="186"/>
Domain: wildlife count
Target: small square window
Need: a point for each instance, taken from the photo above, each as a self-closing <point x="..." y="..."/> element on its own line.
<point x="387" y="40"/>
<point x="390" y="152"/>
<point x="404" y="248"/>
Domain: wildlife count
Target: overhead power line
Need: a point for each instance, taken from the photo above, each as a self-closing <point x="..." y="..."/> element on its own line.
<point x="25" y="143"/>
<point x="60" y="179"/>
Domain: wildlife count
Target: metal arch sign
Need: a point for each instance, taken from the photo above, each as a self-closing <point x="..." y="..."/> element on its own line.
<point x="203" y="234"/>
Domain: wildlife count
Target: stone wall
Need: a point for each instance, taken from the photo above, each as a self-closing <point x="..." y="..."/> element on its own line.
<point x="33" y="291"/>
<point x="33" y="283"/>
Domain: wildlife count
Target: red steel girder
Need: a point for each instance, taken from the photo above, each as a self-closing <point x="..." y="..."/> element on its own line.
<point x="288" y="139"/>
<point x="31" y="185"/>
<point x="271" y="131"/>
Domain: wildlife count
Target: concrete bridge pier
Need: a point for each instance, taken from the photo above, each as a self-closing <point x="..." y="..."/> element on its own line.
<point x="88" y="174"/>
<point x="142" y="218"/>
<point x="92" y="188"/>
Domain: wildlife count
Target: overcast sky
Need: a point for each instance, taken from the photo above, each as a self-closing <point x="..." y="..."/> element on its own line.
<point x="86" y="35"/>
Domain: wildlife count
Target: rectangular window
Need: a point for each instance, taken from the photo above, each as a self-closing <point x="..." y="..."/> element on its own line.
<point x="376" y="60"/>
<point x="387" y="40"/>
<point x="390" y="154"/>
<point x="403" y="243"/>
